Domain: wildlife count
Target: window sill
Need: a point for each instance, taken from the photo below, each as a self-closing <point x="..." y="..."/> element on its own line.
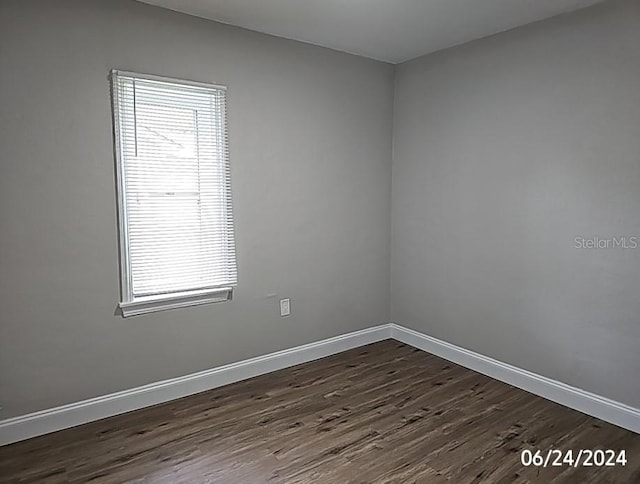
<point x="151" y="304"/>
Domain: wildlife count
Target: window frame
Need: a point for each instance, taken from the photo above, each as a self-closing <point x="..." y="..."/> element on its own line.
<point x="130" y="305"/>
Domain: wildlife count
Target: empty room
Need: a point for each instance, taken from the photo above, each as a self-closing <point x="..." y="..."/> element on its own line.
<point x="296" y="241"/>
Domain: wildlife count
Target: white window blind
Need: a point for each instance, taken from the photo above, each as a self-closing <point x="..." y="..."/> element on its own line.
<point x="177" y="244"/>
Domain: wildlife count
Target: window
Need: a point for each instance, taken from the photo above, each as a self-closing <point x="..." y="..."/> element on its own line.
<point x="174" y="193"/>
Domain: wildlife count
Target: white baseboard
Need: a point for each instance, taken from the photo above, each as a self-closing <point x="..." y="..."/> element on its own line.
<point x="59" y="418"/>
<point x="66" y="416"/>
<point x="586" y="402"/>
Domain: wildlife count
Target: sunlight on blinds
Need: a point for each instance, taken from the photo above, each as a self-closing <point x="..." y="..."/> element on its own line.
<point x="174" y="170"/>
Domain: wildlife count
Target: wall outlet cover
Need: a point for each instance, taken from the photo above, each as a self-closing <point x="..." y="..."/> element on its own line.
<point x="285" y="307"/>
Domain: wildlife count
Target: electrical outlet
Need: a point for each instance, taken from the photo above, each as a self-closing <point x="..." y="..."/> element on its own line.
<point x="285" y="307"/>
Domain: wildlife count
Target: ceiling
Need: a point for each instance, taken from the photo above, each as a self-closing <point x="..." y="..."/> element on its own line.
<point x="387" y="30"/>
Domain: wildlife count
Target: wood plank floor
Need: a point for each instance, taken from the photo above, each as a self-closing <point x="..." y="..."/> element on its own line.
<point x="384" y="413"/>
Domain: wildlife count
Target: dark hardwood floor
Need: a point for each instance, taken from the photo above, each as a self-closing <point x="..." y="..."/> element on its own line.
<point x="382" y="413"/>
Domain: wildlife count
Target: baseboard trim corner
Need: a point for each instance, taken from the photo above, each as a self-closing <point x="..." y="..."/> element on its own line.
<point x="67" y="416"/>
<point x="586" y="402"/>
<point x="51" y="420"/>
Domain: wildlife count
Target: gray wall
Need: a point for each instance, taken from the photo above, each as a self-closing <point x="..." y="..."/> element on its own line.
<point x="505" y="150"/>
<point x="310" y="133"/>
